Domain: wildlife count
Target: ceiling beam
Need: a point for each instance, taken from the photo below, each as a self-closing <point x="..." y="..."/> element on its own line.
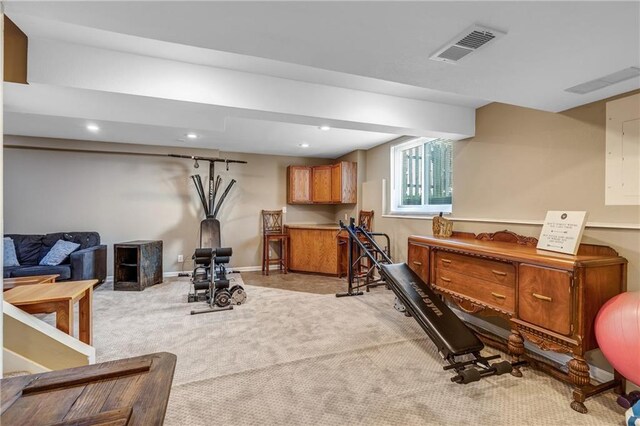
<point x="64" y="64"/>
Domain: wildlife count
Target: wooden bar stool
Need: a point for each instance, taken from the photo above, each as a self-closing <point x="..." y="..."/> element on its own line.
<point x="272" y="230"/>
<point x="365" y="221"/>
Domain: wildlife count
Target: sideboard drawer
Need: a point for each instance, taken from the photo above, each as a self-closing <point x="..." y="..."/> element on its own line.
<point x="488" y="293"/>
<point x="418" y="260"/>
<point x="545" y="298"/>
<point x="490" y="270"/>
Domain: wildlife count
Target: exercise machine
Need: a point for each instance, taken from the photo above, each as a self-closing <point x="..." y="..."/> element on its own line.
<point x="209" y="278"/>
<point x="456" y="343"/>
<point x="210" y="282"/>
<point x="210" y="226"/>
<point x="361" y="272"/>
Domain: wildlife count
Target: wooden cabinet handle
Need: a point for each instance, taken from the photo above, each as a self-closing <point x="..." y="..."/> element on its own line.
<point x="498" y="295"/>
<point x="502" y="274"/>
<point x="446" y="280"/>
<point x="541" y="297"/>
<point x="447" y="261"/>
<point x="415" y="262"/>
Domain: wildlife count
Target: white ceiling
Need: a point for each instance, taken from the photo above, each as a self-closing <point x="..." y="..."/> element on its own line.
<point x="361" y="67"/>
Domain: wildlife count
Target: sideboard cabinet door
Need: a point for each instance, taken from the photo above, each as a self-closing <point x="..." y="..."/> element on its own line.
<point x="545" y="297"/>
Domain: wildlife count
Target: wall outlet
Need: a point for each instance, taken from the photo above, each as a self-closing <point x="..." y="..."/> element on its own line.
<point x="180" y="258"/>
<point x="284" y="210"/>
<point x="346" y="217"/>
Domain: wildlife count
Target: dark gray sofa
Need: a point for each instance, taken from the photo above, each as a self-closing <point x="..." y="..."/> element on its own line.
<point x="86" y="263"/>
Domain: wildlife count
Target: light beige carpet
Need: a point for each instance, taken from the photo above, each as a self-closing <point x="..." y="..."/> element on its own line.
<point x="293" y="358"/>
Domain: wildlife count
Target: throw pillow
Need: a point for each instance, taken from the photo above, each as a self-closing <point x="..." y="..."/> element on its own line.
<point x="58" y="253"/>
<point x="9" y="257"/>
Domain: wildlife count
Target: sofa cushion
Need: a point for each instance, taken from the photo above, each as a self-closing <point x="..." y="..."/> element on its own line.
<point x="9" y="257"/>
<point x="59" y="253"/>
<point x="27" y="248"/>
<point x="85" y="239"/>
<point x="27" y="271"/>
<point x="6" y="271"/>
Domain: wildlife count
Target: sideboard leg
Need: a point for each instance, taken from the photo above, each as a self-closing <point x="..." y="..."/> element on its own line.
<point x="622" y="382"/>
<point x="516" y="349"/>
<point x="579" y="375"/>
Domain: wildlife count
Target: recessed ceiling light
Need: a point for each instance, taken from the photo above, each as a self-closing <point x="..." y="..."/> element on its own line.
<point x="92" y="127"/>
<point x="324" y="128"/>
<point x="303" y="145"/>
<point x="192" y="135"/>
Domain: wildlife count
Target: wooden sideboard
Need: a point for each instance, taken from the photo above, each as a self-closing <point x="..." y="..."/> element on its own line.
<point x="550" y="299"/>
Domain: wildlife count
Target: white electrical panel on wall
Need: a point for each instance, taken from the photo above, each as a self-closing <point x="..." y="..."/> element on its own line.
<point x="622" y="182"/>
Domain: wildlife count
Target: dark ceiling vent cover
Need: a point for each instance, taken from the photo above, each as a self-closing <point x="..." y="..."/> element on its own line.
<point x="466" y="43"/>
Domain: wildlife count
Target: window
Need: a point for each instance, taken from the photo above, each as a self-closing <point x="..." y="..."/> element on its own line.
<point x="421" y="176"/>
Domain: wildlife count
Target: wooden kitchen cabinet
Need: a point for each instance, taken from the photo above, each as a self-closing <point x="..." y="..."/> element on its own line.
<point x="299" y="185"/>
<point x="313" y="248"/>
<point x="344" y="183"/>
<point x="330" y="184"/>
<point x="550" y="299"/>
<point x="321" y="186"/>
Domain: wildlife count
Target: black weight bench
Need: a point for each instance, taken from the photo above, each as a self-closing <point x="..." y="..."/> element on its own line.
<point x="449" y="333"/>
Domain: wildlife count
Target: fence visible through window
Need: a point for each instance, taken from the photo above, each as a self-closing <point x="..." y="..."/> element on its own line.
<point x="423" y="175"/>
<point x="412" y="178"/>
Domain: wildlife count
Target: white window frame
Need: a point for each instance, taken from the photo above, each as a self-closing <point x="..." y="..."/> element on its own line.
<point x="396" y="182"/>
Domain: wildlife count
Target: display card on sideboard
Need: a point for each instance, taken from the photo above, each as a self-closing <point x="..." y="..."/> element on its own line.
<point x="562" y="231"/>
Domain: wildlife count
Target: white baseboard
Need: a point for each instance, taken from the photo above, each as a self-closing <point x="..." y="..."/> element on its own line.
<point x="170" y="274"/>
<point x="251" y="268"/>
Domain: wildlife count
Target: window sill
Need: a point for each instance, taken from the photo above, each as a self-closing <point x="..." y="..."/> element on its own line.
<point x="426" y="216"/>
<point x="416" y="215"/>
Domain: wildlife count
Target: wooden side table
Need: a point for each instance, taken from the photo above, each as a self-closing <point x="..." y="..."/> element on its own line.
<point x="9" y="283"/>
<point x="58" y="298"/>
<point x="137" y="265"/>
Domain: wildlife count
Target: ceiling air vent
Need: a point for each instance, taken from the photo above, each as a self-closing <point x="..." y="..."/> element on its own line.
<point x="607" y="80"/>
<point x="466" y="43"/>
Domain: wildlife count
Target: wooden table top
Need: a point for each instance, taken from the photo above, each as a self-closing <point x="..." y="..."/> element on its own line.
<point x="43" y="293"/>
<point x="9" y="283"/>
<point x="314" y="226"/>
<point x="36" y="279"/>
<point x="131" y="392"/>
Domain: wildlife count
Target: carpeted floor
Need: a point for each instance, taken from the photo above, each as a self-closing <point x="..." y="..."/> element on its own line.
<point x="293" y="358"/>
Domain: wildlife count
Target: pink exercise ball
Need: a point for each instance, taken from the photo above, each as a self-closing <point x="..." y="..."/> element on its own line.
<point x="618" y="334"/>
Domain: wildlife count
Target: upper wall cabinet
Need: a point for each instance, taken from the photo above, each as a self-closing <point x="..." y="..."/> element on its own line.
<point x="321" y="186"/>
<point x="344" y="183"/>
<point x="299" y="185"/>
<point x="332" y="184"/>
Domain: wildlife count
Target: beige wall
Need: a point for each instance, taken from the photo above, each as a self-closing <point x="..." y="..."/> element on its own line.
<point x="520" y="164"/>
<point x="128" y="197"/>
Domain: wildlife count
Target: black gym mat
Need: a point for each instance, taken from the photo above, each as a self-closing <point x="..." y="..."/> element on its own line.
<point x="448" y="332"/>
